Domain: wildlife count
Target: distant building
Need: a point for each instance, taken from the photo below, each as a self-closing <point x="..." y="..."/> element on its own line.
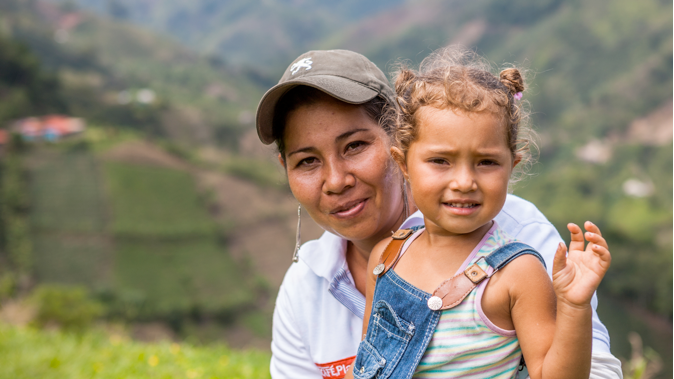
<point x="4" y="139"/>
<point x="49" y="128"/>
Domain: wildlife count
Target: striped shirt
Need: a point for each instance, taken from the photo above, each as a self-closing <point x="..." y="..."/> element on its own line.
<point x="465" y="343"/>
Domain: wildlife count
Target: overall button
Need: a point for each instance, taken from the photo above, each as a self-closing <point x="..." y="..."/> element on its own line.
<point x="379" y="269"/>
<point x="434" y="303"/>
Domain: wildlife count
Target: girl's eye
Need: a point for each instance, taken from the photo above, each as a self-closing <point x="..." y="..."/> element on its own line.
<point x="488" y="162"/>
<point x="438" y="161"/>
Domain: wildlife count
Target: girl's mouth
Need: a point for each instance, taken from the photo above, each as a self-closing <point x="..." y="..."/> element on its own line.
<point x="462" y="205"/>
<point x="350" y="209"/>
<point x="462" y="208"/>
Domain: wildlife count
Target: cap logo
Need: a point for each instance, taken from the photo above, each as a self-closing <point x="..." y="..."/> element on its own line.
<point x="302" y="63"/>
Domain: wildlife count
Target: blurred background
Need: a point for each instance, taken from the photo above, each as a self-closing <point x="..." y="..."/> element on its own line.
<point x="144" y="229"/>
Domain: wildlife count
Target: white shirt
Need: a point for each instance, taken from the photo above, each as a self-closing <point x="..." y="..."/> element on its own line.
<point x="318" y="314"/>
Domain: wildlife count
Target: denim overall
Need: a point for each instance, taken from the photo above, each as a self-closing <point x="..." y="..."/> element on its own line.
<point x="402" y="324"/>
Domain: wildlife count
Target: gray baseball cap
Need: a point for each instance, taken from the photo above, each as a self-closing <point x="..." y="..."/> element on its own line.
<point x="342" y="74"/>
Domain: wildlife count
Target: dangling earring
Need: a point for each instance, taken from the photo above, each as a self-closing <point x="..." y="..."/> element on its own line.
<point x="297" y="235"/>
<point x="406" y="209"/>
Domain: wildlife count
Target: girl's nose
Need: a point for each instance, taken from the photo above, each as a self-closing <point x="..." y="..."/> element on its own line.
<point x="463" y="180"/>
<point x="337" y="178"/>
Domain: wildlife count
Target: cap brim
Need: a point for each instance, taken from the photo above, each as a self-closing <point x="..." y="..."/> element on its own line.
<point x="340" y="88"/>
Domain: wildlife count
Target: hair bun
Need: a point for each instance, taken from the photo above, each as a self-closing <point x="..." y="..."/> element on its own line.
<point x="512" y="79"/>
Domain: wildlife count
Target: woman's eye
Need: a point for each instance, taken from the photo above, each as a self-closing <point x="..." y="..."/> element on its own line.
<point x="307" y="162"/>
<point x="355" y="145"/>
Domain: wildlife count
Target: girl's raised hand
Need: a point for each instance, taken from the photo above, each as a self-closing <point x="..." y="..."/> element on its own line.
<point x="576" y="277"/>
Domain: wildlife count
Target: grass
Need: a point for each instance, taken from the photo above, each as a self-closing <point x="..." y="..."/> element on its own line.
<point x="155" y="202"/>
<point x="32" y="353"/>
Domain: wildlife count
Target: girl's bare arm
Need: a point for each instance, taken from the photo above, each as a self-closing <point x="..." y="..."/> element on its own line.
<point x="555" y="332"/>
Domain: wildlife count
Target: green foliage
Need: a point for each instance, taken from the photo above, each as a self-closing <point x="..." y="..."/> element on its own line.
<point x="68" y="216"/>
<point x="66" y="191"/>
<point x="176" y="278"/>
<point x="155" y="202"/>
<point x="68" y="307"/>
<point x="25" y="88"/>
<point x="30" y="353"/>
<point x="14" y="204"/>
<point x="644" y="363"/>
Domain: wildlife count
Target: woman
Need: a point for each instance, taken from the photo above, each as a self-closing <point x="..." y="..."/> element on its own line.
<point x="324" y="115"/>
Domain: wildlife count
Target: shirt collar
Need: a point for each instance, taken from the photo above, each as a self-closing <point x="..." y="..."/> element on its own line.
<point x="327" y="255"/>
<point x="324" y="256"/>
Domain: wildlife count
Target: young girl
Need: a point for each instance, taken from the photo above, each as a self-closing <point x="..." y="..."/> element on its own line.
<point x="460" y="298"/>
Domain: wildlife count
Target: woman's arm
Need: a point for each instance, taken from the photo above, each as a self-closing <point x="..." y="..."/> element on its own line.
<point x="290" y="358"/>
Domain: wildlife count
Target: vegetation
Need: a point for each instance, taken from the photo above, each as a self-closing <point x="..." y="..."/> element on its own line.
<point x="195" y="99"/>
<point x="23" y="83"/>
<point x="643" y="364"/>
<point x="32" y="353"/>
<point x="155" y="202"/>
<point x="69" y="308"/>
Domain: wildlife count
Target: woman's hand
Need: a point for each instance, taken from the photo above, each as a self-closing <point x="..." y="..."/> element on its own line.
<point x="576" y="277"/>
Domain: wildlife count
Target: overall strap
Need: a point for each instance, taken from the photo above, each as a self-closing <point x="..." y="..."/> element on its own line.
<point x="392" y="250"/>
<point x="506" y="253"/>
<point x="452" y="291"/>
<point x="390" y="254"/>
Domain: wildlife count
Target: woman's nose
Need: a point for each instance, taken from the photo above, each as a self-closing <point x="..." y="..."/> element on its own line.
<point x="338" y="177"/>
<point x="463" y="180"/>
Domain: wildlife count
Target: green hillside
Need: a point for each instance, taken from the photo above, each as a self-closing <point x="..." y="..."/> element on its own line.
<point x="260" y="35"/>
<point x="102" y="65"/>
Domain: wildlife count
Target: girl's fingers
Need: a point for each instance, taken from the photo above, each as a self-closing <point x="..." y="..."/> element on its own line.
<point x="596" y="239"/>
<point x="577" y="240"/>
<point x="559" y="262"/>
<point x="591" y="227"/>
<point x="602" y="253"/>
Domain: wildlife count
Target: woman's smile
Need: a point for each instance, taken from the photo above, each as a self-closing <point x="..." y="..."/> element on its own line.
<point x="349" y="209"/>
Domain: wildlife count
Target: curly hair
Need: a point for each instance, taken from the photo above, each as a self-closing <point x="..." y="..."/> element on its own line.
<point x="458" y="79"/>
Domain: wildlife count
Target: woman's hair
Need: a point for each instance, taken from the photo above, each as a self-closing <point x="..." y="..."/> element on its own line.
<point x="300" y="96"/>
<point x="458" y="79"/>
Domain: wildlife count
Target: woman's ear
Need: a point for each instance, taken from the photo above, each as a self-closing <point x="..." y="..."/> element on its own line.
<point x="399" y="158"/>
<point x="281" y="161"/>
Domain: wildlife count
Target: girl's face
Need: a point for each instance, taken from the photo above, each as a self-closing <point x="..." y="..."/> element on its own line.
<point x="339" y="169"/>
<point x="458" y="169"/>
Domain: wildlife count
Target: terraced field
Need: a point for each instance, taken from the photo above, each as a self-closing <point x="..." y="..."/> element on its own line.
<point x="68" y="218"/>
<point x="140" y="236"/>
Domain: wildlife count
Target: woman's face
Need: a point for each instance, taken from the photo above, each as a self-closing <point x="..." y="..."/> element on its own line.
<point x="339" y="169"/>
